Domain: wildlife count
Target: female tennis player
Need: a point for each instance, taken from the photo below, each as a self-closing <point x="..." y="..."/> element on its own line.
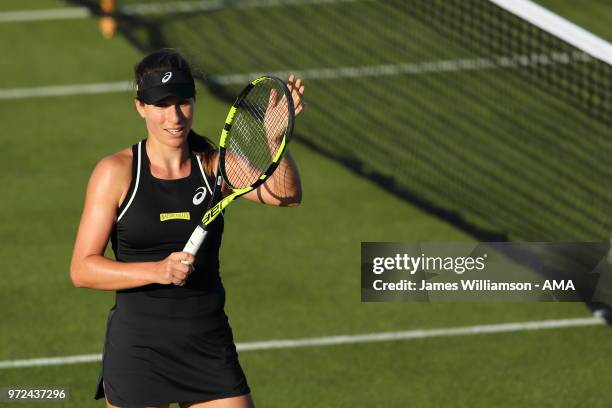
<point x="168" y="339"/>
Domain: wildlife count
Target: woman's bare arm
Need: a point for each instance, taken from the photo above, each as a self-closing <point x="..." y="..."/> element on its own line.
<point x="107" y="187"/>
<point x="283" y="188"/>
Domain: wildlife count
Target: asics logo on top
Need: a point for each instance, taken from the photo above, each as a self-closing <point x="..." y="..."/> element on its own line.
<point x="199" y="196"/>
<point x="166" y="77"/>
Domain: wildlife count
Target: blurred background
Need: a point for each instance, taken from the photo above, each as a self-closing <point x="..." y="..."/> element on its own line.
<point x="427" y="121"/>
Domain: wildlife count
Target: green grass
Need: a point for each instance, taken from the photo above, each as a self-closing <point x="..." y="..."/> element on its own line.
<point x="306" y="284"/>
<point x="59" y="57"/>
<point x="505" y="370"/>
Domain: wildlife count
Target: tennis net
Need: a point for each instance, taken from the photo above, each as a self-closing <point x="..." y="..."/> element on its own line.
<point x="476" y="110"/>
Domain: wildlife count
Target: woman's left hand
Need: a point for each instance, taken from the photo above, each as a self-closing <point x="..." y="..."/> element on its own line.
<point x="297" y="92"/>
<point x="277" y="108"/>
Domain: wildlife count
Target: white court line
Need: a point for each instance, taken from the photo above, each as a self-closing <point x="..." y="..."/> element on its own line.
<point x="410" y="68"/>
<point x="415" y="68"/>
<point x="348" y="339"/>
<point x="43" y="15"/>
<point x="155" y="8"/>
<point x="214" y="5"/>
<point x="64" y="90"/>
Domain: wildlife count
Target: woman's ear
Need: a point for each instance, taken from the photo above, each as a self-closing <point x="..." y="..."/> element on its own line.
<point x="139" y="107"/>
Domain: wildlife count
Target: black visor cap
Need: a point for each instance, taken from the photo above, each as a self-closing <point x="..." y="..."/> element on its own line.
<point x="159" y="85"/>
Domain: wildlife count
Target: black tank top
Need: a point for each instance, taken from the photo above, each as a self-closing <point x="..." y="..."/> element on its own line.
<point x="157" y="217"/>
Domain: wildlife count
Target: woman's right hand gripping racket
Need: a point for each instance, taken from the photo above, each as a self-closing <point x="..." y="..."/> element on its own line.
<point x="256" y="133"/>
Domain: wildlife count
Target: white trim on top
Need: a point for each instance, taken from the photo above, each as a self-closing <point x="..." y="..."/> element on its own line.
<point x="137" y="182"/>
<point x="203" y="174"/>
<point x="564" y="29"/>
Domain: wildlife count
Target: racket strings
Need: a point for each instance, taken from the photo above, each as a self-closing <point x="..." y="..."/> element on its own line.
<point x="257" y="133"/>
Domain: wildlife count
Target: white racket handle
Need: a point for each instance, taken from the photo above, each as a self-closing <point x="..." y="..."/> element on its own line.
<point x="195" y="240"/>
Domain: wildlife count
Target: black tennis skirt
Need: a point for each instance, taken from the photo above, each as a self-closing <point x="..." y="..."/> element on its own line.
<point x="164" y="350"/>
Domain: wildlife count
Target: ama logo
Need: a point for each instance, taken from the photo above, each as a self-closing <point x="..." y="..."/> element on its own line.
<point x="199" y="195"/>
<point x="558" y="285"/>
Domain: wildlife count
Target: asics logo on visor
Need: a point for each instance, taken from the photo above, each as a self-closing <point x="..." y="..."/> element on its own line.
<point x="199" y="196"/>
<point x="166" y="77"/>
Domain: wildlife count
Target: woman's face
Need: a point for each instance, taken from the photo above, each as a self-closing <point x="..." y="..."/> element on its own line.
<point x="168" y="121"/>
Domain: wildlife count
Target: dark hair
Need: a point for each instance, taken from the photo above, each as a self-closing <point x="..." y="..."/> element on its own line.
<point x="168" y="59"/>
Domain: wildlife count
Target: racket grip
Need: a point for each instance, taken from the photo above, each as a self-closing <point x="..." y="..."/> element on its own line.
<point x="195" y="240"/>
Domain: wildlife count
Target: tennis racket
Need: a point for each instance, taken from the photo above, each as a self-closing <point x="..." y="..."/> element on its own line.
<point x="257" y="130"/>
